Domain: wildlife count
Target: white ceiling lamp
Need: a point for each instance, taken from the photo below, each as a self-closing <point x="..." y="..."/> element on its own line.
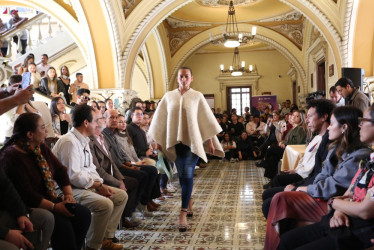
<point x="231" y="36"/>
<point x="237" y="68"/>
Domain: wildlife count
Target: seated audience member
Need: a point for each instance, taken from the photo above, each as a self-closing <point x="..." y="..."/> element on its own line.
<point x="256" y="131"/>
<point x="287" y="125"/>
<point x="101" y="106"/>
<point x="353" y="96"/>
<point x="109" y="104"/>
<point x="138" y="135"/>
<point x="244" y="148"/>
<point x="135" y="102"/>
<point x="95" y="106"/>
<point x="296" y="136"/>
<point x="229" y="147"/>
<point x="48" y="85"/>
<point x="77" y="85"/>
<point x="106" y="203"/>
<point x="107" y="170"/>
<point x="127" y="145"/>
<point x="273" y="129"/>
<point x="83" y="96"/>
<point x="309" y="203"/>
<point x="235" y="128"/>
<point x="60" y="120"/>
<point x="287" y="108"/>
<point x="17" y="219"/>
<point x="318" y="119"/>
<point x="146" y="175"/>
<point x="349" y="223"/>
<point x="63" y="83"/>
<point x="33" y="169"/>
<point x="335" y="97"/>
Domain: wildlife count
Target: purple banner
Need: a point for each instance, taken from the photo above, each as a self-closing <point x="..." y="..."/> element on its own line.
<point x="263" y="101"/>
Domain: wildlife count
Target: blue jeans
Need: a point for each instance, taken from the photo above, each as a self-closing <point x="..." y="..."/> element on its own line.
<point x="185" y="162"/>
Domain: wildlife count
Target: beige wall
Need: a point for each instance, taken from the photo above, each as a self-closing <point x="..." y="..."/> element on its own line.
<point x="139" y="83"/>
<point x="270" y="64"/>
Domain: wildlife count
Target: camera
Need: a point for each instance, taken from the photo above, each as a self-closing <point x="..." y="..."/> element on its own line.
<point x="319" y="94"/>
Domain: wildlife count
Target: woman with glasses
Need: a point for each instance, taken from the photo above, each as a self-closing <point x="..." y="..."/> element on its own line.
<point x="350" y="221"/>
<point x="185" y="127"/>
<point x="61" y="121"/>
<point x="309" y="203"/>
<point x="34" y="169"/>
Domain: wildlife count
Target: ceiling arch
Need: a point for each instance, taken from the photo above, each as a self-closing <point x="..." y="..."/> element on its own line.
<point x="265" y="35"/>
<point x="145" y="17"/>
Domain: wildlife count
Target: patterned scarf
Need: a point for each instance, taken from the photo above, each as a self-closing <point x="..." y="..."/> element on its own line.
<point x="44" y="168"/>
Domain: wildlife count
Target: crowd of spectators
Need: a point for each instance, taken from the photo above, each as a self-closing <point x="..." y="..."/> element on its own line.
<point x="85" y="172"/>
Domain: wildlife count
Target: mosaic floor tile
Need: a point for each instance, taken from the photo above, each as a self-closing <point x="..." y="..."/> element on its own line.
<point x="227" y="213"/>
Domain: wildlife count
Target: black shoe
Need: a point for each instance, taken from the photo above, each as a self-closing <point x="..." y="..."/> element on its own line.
<point x="115" y="240"/>
<point x="266" y="186"/>
<point x="260" y="164"/>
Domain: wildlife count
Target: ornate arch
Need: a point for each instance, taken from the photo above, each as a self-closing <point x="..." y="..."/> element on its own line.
<point x="267" y="36"/>
<point x="321" y="21"/>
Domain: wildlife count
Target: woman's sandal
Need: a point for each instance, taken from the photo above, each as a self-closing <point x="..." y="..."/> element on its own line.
<point x="182" y="228"/>
<point x="190" y="212"/>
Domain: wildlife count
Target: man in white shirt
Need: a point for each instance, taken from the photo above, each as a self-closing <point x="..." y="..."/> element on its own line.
<point x="44" y="66"/>
<point x="336" y="98"/>
<point x="106" y="203"/>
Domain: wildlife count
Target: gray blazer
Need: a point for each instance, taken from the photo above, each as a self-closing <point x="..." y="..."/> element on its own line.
<point x="103" y="164"/>
<point x="335" y="179"/>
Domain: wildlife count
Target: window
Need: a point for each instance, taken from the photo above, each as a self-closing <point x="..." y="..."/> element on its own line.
<point x="238" y="98"/>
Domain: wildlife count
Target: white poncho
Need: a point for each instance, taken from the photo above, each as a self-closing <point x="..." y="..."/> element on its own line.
<point x="187" y="119"/>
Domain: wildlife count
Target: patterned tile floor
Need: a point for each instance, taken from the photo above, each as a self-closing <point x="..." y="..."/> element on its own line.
<point x="227" y="213"/>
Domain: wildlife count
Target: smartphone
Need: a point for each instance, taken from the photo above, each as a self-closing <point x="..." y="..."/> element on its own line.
<point x="71" y="207"/>
<point x="34" y="237"/>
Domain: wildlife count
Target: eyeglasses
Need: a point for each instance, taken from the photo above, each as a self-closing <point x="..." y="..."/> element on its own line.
<point x="361" y="120"/>
<point x="86" y="97"/>
<point x="138" y="114"/>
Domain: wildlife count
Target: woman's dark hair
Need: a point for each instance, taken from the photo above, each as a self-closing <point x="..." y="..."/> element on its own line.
<point x="67" y="69"/>
<point x="97" y="105"/>
<point x="350" y="141"/>
<point x="53" y="108"/>
<point x="26" y="122"/>
<point x="81" y="113"/>
<point x="27" y="58"/>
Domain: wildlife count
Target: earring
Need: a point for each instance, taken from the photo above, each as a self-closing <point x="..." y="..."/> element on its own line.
<point x="343" y="132"/>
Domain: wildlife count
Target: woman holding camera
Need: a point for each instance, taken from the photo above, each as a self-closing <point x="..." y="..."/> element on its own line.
<point x="33" y="169"/>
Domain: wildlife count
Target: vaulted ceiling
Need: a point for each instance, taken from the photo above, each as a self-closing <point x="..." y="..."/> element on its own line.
<point x="202" y="15"/>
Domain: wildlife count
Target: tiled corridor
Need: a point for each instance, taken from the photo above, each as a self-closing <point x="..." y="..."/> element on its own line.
<point x="227" y="213"/>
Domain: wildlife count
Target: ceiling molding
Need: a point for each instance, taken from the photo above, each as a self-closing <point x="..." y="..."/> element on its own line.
<point x="319" y="19"/>
<point x="196" y="43"/>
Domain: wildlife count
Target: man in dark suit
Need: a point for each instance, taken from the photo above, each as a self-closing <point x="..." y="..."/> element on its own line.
<point x="107" y="170"/>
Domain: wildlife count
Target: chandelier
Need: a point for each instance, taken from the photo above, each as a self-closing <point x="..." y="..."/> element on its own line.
<point x="237" y="67"/>
<point x="231" y="36"/>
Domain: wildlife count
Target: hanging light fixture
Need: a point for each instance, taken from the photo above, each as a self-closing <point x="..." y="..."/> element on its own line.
<point x="237" y="67"/>
<point x="231" y="36"/>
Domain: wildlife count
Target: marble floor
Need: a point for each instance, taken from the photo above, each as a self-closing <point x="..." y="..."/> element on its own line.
<point x="227" y="213"/>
